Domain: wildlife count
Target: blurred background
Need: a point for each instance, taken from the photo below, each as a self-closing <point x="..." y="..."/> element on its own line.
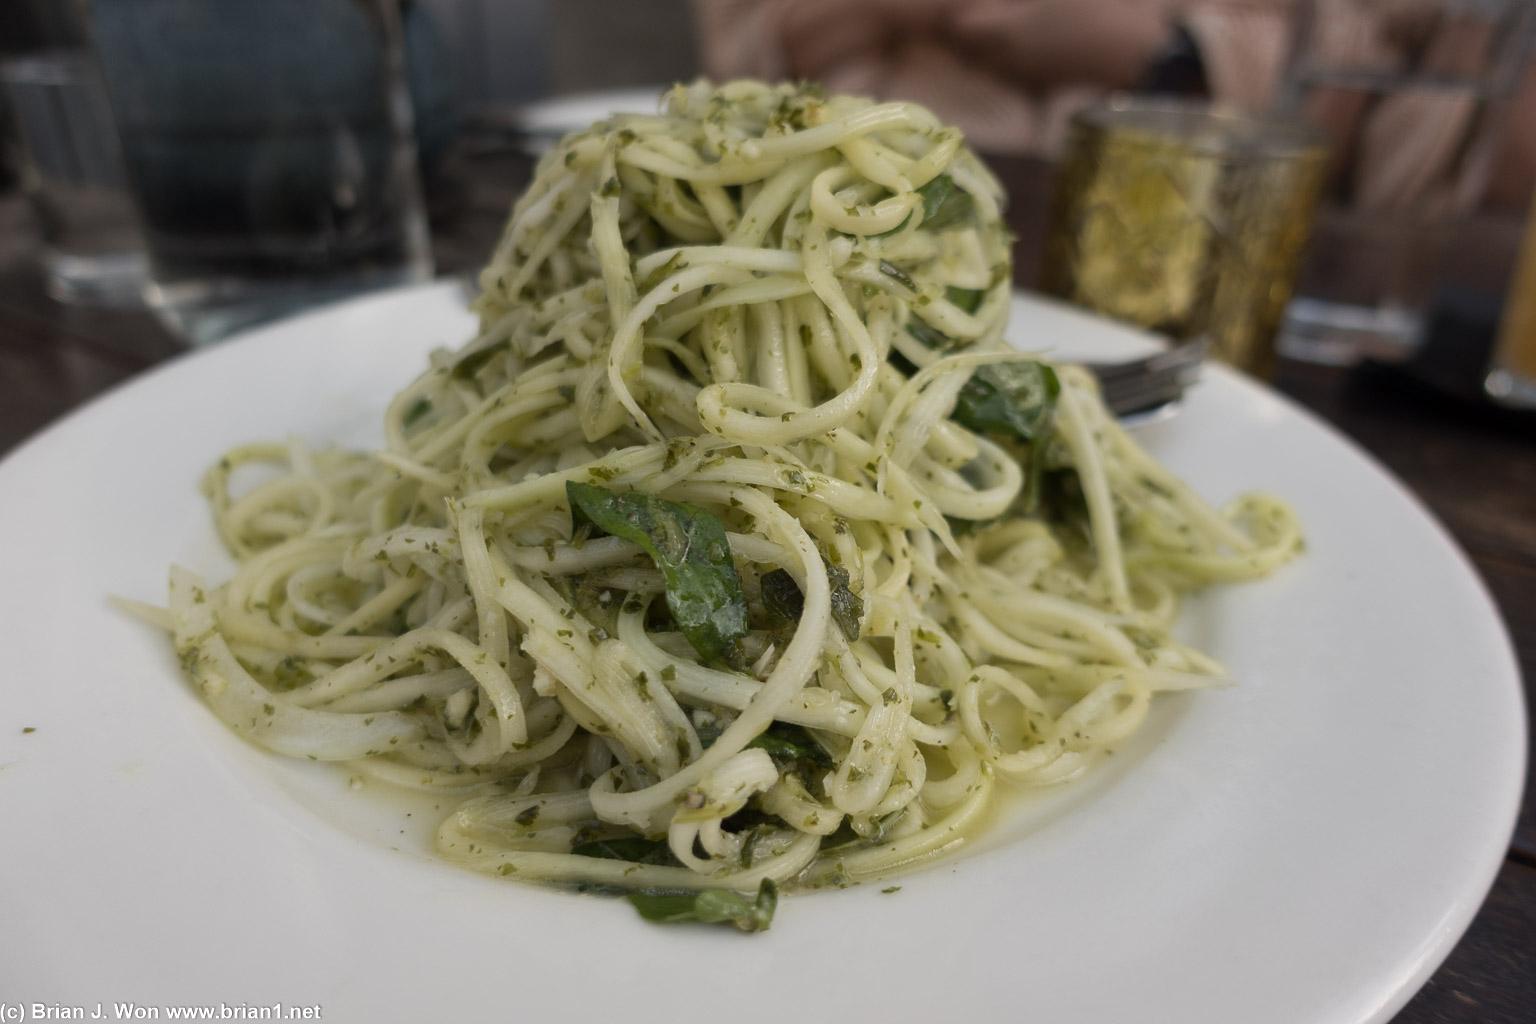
<point x="1443" y="172"/>
<point x="172" y="171"/>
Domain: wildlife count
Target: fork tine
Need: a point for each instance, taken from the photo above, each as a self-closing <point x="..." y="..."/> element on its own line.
<point x="1152" y="392"/>
<point x="1183" y="354"/>
<point x="1139" y="385"/>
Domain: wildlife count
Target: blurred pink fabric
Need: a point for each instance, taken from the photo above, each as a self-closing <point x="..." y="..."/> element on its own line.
<point x="1012" y="72"/>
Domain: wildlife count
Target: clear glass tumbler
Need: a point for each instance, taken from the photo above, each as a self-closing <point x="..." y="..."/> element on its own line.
<point x="1414" y="96"/>
<point x="72" y="174"/>
<point x="271" y="150"/>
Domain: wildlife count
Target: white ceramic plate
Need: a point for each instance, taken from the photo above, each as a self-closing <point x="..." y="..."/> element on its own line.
<point x="561" y="115"/>
<point x="1306" y="847"/>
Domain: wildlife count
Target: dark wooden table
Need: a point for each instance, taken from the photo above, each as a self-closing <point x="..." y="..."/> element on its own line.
<point x="1476" y="472"/>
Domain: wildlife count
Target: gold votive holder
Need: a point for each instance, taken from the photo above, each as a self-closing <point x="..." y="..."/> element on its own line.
<point x="1186" y="220"/>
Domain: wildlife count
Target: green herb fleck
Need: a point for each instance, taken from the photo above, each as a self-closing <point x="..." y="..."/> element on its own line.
<point x="418" y="409"/>
<point x="661" y="273"/>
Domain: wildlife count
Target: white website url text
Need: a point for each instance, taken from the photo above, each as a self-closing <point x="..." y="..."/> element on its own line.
<point x="138" y="1011"/>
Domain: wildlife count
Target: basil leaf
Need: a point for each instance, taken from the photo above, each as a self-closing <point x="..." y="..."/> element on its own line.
<point x="847" y="609"/>
<point x="931" y="337"/>
<point x="960" y="527"/>
<point x="709" y="733"/>
<point x="469" y="365"/>
<point x="783" y="600"/>
<point x="946" y="205"/>
<point x="712" y="906"/>
<point x="1012" y="399"/>
<point x="418" y="409"/>
<point x="785" y="743"/>
<point x="1015" y="400"/>
<point x="1059" y="498"/>
<point x="630" y="848"/>
<point x="781" y="595"/>
<point x="690" y="548"/>
<point x="891" y="270"/>
<point x="967" y="299"/>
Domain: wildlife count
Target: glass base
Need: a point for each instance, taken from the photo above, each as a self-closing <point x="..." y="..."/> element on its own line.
<point x="114" y="279"/>
<point x="1336" y="334"/>
<point x="206" y="311"/>
<point x="1510" y="389"/>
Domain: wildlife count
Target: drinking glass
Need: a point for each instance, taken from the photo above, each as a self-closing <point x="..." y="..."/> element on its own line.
<point x="72" y="174"/>
<point x="1414" y="95"/>
<point x="271" y="152"/>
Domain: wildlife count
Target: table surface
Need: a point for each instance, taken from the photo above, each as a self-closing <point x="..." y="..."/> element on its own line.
<point x="1476" y="472"/>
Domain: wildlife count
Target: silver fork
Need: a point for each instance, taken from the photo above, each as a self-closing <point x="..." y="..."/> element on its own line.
<point x="1146" y="389"/>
